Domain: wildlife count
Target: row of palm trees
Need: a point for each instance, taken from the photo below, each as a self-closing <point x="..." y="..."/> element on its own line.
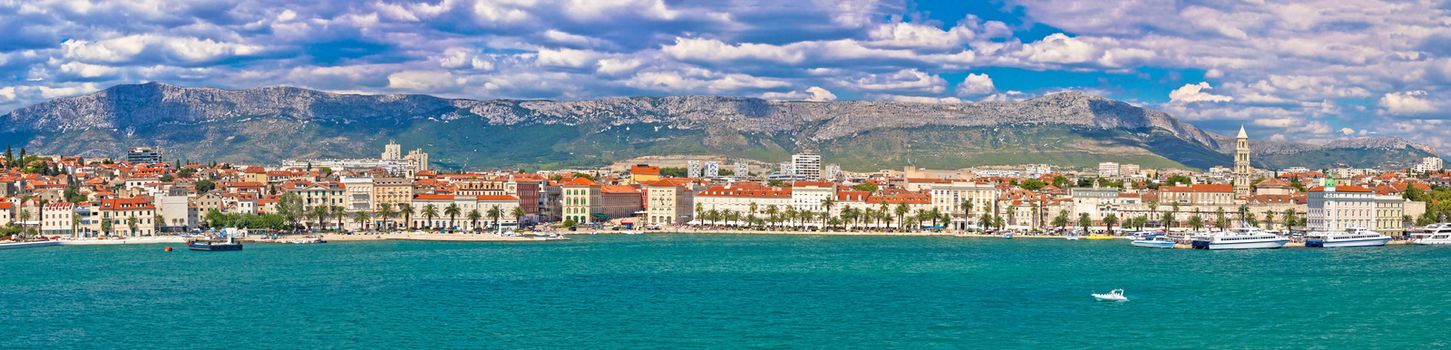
<point x="883" y="215"/>
<point x="389" y="211"/>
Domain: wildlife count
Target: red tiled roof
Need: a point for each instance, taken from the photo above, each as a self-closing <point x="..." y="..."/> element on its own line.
<point x="137" y="203"/>
<point x="644" y="170"/>
<point x="497" y="198"/>
<point x="578" y="181"/>
<point x="433" y="197"/>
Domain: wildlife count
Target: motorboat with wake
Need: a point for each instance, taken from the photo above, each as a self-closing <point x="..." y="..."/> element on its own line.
<point x="1351" y="237"/>
<point x="1113" y="295"/>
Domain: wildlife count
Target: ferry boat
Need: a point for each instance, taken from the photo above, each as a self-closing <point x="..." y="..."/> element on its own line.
<point x="1351" y="237"/>
<point x="208" y="245"/>
<point x="1154" y="241"/>
<point x="1434" y="234"/>
<point x="1247" y="237"/>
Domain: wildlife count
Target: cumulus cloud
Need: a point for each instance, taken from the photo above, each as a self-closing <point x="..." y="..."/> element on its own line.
<point x="1407" y="103"/>
<point x="1196" y="93"/>
<point x="812" y="94"/>
<point x="903" y="80"/>
<point x="976" y="85"/>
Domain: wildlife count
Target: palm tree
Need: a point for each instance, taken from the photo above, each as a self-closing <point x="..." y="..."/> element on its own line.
<point x="1220" y="220"/>
<point x="790" y="214"/>
<point x="1196" y="222"/>
<point x="1061" y="220"/>
<point x="827" y="203"/>
<point x="1174" y="213"/>
<point x="340" y="213"/>
<point x="321" y="213"/>
<point x="430" y="211"/>
<point x="107" y="227"/>
<point x="966" y="206"/>
<point x="902" y="210"/>
<point x="1290" y="219"/>
<point x="452" y="211"/>
<point x="936" y="213"/>
<point x="1153" y="209"/>
<point x="754" y="207"/>
<point x="131" y="224"/>
<point x="361" y="218"/>
<point x="1270" y="219"/>
<point x="1084" y="221"/>
<point x="495" y="213"/>
<point x="771" y="213"/>
<point x="518" y="213"/>
<point x="474" y="217"/>
<point x="386" y="212"/>
<point x="1110" y="220"/>
<point x="986" y="220"/>
<point x="407" y="210"/>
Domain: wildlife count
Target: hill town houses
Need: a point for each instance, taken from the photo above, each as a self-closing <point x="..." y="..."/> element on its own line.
<point x="142" y="194"/>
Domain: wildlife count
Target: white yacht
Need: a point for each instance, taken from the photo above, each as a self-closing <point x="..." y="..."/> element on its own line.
<point x="1434" y="234"/>
<point x="1351" y="237"/>
<point x="1247" y="237"/>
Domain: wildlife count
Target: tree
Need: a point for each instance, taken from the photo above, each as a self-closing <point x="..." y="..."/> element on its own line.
<point x="1084" y="221"/>
<point x="1153" y="208"/>
<point x="474" y="217"/>
<point x="204" y="186"/>
<point x="772" y="214"/>
<point x="385" y="211"/>
<point x="1290" y="219"/>
<point x="1110" y="220"/>
<point x="865" y="187"/>
<point x="1220" y="220"/>
<point x="339" y="214"/>
<point x="901" y="213"/>
<point x="361" y="218"/>
<point x="827" y="203"/>
<point x="130" y="222"/>
<point x="430" y="211"/>
<point x="453" y="211"/>
<point x="569" y="223"/>
<point x="290" y="207"/>
<point x="1032" y="184"/>
<point x="518" y="213"/>
<point x="790" y="214"/>
<point x="986" y="220"/>
<point x="407" y="211"/>
<point x="966" y="206"/>
<point x="1270" y="220"/>
<point x="107" y="226"/>
<point x="1196" y="222"/>
<point x="1250" y="219"/>
<point x="495" y="213"/>
<point x="321" y="213"/>
<point x="1061" y="221"/>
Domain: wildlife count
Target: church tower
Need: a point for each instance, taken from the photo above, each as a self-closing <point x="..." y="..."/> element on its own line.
<point x="1241" y="164"/>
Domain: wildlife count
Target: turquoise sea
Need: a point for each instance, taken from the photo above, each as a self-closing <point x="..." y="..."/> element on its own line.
<point x="721" y="291"/>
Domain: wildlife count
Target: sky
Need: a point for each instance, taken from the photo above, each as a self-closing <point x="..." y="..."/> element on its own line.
<point x="1310" y="71"/>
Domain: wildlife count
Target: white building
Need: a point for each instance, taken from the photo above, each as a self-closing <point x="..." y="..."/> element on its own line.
<point x="357" y="193"/>
<point x="693" y="169"/>
<point x="949" y="197"/>
<point x="173" y="210"/>
<point x="1334" y="208"/>
<point x="1108" y="169"/>
<point x="806" y="166"/>
<point x="392" y="151"/>
<point x="712" y="169"/>
<point x="810" y="195"/>
<point x="1036" y="170"/>
<point x="1428" y="164"/>
<point x="742" y="169"/>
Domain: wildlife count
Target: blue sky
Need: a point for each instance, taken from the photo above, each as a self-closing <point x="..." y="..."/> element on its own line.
<point x="1288" y="70"/>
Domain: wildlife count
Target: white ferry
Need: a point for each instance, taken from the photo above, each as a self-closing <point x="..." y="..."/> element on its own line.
<point x="1434" y="234"/>
<point x="1248" y="237"/>
<point x="1351" y="237"/>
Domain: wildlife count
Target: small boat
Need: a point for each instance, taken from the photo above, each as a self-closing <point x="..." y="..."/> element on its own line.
<point x="1434" y="234"/>
<point x="1113" y="295"/>
<point x="1072" y="237"/>
<point x="1154" y="241"/>
<point x="1007" y="235"/>
<point x="631" y="232"/>
<point x="1352" y="237"/>
<point x="208" y="245"/>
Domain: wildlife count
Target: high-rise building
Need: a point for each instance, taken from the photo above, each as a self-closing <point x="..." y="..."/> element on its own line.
<point x="832" y="172"/>
<point x="392" y="151"/>
<point x="1428" y="164"/>
<point x="806" y="165"/>
<point x="693" y="169"/>
<point x="144" y="155"/>
<point x="1241" y="164"/>
<point x="712" y="169"/>
<point x="419" y="159"/>
<point x="742" y="169"/>
<point x="1108" y="169"/>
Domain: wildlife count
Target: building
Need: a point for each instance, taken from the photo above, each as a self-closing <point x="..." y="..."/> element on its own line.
<point x="56" y="219"/>
<point x="580" y="201"/>
<point x="811" y="195"/>
<point x="712" y="169"/>
<point x="392" y="151"/>
<point x="746" y="198"/>
<point x="144" y="155"/>
<point x="620" y="201"/>
<point x="806" y="166"/>
<point x="742" y="170"/>
<point x="1428" y="164"/>
<point x="392" y="191"/>
<point x="1198" y="195"/>
<point x="174" y="210"/>
<point x="418" y="158"/>
<point x="1128" y="171"/>
<point x="642" y="173"/>
<point x="357" y="193"/>
<point x="668" y="203"/>
<point x="950" y="198"/>
<point x="128" y="217"/>
<point x="832" y="173"/>
<point x="693" y="169"/>
<point x="1108" y="169"/>
<point x="1335" y="208"/>
<point x="1242" y="172"/>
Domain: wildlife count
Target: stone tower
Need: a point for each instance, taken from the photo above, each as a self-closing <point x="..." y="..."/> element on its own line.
<point x="1241" y="164"/>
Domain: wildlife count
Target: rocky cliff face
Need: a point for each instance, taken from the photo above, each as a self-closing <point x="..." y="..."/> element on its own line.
<point x="213" y="120"/>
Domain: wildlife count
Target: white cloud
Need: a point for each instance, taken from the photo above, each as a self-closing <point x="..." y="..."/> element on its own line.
<point x="1347" y="131"/>
<point x="569" y="58"/>
<point x="812" y="94"/>
<point x="902" y="80"/>
<point x="128" y="48"/>
<point x="976" y="85"/>
<point x="7" y="93"/>
<point x="424" y="81"/>
<point x="1060" y="48"/>
<point x="1196" y="93"/>
<point x="85" y="70"/>
<point x="1406" y="103"/>
<point x="461" y="58"/>
<point x="919" y="36"/>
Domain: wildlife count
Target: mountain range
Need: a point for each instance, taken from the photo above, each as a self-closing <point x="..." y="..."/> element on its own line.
<point x="269" y="124"/>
